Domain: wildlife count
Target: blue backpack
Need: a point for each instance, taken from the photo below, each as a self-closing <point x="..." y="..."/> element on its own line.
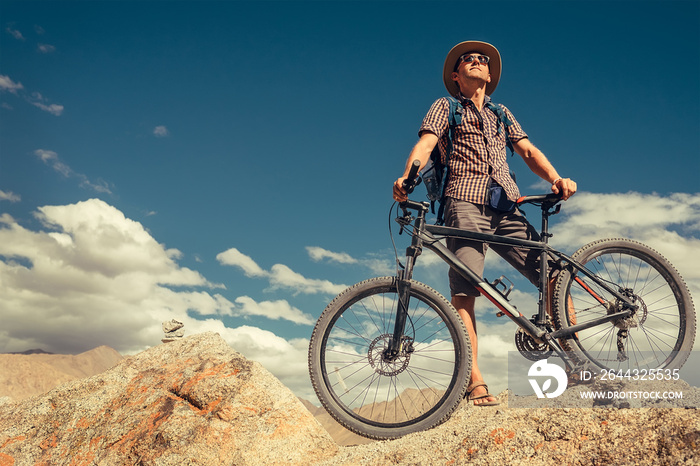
<point x="435" y="174"/>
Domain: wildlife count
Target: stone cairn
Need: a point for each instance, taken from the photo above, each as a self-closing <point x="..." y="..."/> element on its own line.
<point x="173" y="330"/>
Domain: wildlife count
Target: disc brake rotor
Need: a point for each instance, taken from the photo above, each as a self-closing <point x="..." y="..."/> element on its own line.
<point x="381" y="363"/>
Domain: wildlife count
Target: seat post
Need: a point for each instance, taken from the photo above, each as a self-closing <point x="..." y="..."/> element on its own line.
<point x="544" y="269"/>
<point x="544" y="234"/>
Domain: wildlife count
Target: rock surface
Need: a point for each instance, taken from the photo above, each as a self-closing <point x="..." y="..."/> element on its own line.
<point x="193" y="401"/>
<point x="196" y="401"/>
<point x="581" y="436"/>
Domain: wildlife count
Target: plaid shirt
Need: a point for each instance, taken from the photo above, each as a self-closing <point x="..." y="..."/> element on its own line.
<point x="479" y="149"/>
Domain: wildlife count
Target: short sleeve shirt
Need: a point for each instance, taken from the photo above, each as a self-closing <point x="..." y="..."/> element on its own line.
<point x="479" y="149"/>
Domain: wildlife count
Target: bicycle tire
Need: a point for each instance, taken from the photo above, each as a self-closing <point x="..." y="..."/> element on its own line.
<point x="383" y="399"/>
<point x="662" y="332"/>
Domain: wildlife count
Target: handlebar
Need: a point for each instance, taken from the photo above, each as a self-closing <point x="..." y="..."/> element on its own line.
<point x="412" y="180"/>
<point x="545" y="200"/>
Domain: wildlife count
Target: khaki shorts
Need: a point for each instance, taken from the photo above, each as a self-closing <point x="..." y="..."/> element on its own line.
<point x="476" y="217"/>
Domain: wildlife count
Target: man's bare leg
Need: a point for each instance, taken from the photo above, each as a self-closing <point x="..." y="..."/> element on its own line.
<point x="465" y="308"/>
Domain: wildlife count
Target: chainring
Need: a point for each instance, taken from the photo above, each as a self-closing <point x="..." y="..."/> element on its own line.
<point x="529" y="348"/>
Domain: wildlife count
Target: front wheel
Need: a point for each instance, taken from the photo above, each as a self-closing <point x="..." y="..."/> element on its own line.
<point x="381" y="396"/>
<point x="661" y="332"/>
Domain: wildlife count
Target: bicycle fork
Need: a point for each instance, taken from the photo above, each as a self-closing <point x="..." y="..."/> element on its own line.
<point x="399" y="344"/>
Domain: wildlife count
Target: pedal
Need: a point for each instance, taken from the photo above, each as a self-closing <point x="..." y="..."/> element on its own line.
<point x="505" y="291"/>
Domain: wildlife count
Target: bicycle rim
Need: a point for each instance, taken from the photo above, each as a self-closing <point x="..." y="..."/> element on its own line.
<point x="662" y="330"/>
<point x="386" y="398"/>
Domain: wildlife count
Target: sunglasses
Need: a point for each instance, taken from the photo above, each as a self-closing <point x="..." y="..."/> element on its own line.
<point x="467" y="58"/>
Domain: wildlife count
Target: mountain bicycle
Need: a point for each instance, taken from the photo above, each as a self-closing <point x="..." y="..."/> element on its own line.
<point x="390" y="355"/>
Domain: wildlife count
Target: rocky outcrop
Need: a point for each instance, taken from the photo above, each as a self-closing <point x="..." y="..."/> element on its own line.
<point x="552" y="437"/>
<point x="196" y="401"/>
<point x="193" y="401"/>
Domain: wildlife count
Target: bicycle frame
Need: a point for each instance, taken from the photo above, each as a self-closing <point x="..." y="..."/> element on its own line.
<point x="423" y="235"/>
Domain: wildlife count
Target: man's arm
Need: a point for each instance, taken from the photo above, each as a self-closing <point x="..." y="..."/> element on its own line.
<point x="421" y="152"/>
<point x="540" y="166"/>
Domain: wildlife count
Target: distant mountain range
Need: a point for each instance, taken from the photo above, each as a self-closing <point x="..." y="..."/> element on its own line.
<point x="31" y="351"/>
<point x="34" y="372"/>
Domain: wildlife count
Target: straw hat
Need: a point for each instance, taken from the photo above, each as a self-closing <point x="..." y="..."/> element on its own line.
<point x="472" y="46"/>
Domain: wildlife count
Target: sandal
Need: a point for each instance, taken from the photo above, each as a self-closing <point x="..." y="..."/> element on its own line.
<point x="476" y="385"/>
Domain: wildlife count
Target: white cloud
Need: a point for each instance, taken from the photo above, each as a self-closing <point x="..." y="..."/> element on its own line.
<point x="9" y="196"/>
<point x="46" y="48"/>
<point x="6" y="84"/>
<point x="280" y="276"/>
<point x="160" y="132"/>
<point x="51" y="158"/>
<point x="91" y="276"/>
<point x="631" y="212"/>
<point x="42" y="102"/>
<point x="317" y="254"/>
<point x="274" y="310"/>
<point x="14" y="33"/>
<point x="46" y="155"/>
<point x="53" y="109"/>
<point x="35" y="99"/>
<point x="236" y="258"/>
<point x="669" y="224"/>
<point x="378" y="266"/>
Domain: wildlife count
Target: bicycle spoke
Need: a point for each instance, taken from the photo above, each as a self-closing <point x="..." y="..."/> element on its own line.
<point x="652" y="334"/>
<point x="389" y="391"/>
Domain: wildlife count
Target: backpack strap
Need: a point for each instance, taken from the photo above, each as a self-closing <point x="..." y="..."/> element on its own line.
<point x="503" y="120"/>
<point x="454" y="119"/>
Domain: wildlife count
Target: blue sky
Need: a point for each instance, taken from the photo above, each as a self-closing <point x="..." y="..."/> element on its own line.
<point x="230" y="164"/>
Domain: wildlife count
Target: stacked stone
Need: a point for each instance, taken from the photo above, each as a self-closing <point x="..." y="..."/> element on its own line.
<point x="173" y="331"/>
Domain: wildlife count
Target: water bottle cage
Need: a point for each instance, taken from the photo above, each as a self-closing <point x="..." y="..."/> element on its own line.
<point x="505" y="290"/>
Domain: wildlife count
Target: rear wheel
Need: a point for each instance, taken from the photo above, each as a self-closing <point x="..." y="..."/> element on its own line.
<point x="381" y="396"/>
<point x="659" y="335"/>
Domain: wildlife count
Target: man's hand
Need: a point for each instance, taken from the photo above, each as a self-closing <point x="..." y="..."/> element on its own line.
<point x="421" y="152"/>
<point x="564" y="186"/>
<point x="400" y="194"/>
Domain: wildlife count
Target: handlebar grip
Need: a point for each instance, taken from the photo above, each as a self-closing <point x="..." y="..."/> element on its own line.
<point x="410" y="182"/>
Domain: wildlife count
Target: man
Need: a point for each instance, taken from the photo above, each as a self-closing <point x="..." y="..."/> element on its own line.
<point x="478" y="162"/>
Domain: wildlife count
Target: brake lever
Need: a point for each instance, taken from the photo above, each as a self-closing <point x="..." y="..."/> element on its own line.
<point x="407" y="219"/>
